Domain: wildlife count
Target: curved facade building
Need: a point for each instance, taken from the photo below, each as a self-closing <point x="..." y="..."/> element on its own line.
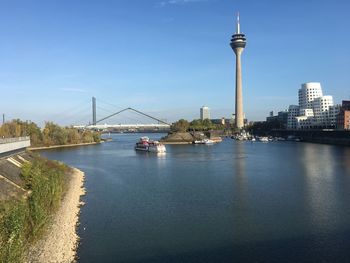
<point x="315" y="109"/>
<point x="308" y="92"/>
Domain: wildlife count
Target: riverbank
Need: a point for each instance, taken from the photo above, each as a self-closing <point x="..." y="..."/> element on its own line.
<point x="174" y="143"/>
<point x="333" y="137"/>
<point x="61" y="146"/>
<point x="60" y="241"/>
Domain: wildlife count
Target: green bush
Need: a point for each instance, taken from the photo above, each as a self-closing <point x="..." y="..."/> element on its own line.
<point x="13" y="231"/>
<point x="24" y="221"/>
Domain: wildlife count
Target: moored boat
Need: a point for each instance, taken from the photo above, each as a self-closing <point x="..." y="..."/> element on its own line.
<point x="264" y="139"/>
<point x="147" y="145"/>
<point x="204" y="141"/>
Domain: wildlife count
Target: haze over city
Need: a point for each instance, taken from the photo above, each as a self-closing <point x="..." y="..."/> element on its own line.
<point x="166" y="57"/>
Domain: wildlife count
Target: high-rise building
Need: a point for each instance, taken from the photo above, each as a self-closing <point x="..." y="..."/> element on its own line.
<point x="238" y="43"/>
<point x="314" y="110"/>
<point x="204" y="113"/>
<point x="293" y="112"/>
<point x="307" y="94"/>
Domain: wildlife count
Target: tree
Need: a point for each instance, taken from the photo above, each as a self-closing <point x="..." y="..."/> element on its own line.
<point x="73" y="136"/>
<point x="196" y="125"/>
<point x="180" y="126"/>
<point x="52" y="133"/>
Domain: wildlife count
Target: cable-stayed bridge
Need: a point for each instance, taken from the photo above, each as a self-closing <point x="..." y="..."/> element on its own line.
<point x="124" y="120"/>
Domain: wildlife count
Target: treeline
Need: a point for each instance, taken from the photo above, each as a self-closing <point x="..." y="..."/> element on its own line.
<point x="264" y="128"/>
<point x="23" y="221"/>
<point x="195" y="125"/>
<point x="51" y="134"/>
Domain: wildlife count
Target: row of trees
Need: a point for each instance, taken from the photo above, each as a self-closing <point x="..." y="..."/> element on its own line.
<point x="264" y="127"/>
<point x="51" y="134"/>
<point x="195" y="125"/>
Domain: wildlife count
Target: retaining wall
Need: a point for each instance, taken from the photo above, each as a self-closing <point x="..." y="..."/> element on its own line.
<point x="13" y="144"/>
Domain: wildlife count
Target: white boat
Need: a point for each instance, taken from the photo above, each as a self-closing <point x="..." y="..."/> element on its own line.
<point x="147" y="145"/>
<point x="263" y="139"/>
<point x="204" y="141"/>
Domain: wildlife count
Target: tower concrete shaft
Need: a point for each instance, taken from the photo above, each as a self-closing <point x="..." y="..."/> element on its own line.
<point x="239" y="96"/>
<point x="238" y="43"/>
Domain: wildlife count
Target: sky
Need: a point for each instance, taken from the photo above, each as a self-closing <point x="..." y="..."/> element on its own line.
<point x="166" y="57"/>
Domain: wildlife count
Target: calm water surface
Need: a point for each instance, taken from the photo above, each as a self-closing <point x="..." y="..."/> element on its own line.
<point x="229" y="202"/>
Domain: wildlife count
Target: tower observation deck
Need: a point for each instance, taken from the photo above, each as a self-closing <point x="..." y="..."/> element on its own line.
<point x="238" y="43"/>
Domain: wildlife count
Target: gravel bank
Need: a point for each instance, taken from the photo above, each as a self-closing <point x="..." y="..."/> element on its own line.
<point x="60" y="242"/>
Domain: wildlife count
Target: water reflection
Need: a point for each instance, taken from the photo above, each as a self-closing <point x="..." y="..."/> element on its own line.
<point x="243" y="226"/>
<point x="239" y="160"/>
<point x="317" y="163"/>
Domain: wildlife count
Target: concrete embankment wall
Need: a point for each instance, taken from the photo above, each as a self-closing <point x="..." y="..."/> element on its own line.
<point x="11" y="183"/>
<point x="13" y="144"/>
<point x="337" y="137"/>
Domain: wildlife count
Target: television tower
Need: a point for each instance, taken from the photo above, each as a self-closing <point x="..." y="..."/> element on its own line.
<point x="238" y="42"/>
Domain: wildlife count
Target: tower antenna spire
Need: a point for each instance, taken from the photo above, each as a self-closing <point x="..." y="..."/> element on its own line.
<point x="238" y="26"/>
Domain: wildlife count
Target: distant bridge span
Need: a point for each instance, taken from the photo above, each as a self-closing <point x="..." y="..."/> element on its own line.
<point x="132" y="109"/>
<point x="161" y="125"/>
<point x="124" y="127"/>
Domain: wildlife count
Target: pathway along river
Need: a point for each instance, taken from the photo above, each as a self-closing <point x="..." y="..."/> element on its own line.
<point x="229" y="202"/>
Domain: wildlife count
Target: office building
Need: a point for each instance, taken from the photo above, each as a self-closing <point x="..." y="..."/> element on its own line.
<point x="204" y="113"/>
<point x="343" y="118"/>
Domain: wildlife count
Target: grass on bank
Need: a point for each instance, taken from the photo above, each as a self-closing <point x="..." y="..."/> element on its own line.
<point x="22" y="222"/>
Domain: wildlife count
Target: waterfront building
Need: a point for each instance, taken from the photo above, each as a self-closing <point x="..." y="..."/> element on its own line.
<point x="315" y="110"/>
<point x="308" y="92"/>
<point x="343" y="118"/>
<point x="238" y="43"/>
<point x="321" y="107"/>
<point x="293" y="112"/>
<point x="333" y="115"/>
<point x="204" y="113"/>
<point x="281" y="117"/>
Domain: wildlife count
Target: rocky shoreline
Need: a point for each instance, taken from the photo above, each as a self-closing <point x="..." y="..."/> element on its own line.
<point x="189" y="137"/>
<point x="60" y="242"/>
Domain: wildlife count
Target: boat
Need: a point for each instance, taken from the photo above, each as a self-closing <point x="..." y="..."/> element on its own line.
<point x="204" y="141"/>
<point x="147" y="145"/>
<point x="263" y="139"/>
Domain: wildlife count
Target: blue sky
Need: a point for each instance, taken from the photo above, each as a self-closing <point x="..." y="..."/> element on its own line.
<point x="166" y="57"/>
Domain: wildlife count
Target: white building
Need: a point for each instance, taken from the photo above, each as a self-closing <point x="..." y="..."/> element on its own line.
<point x="321" y="107"/>
<point x="308" y="92"/>
<point x="204" y="113"/>
<point x="293" y="112"/>
<point x="315" y="109"/>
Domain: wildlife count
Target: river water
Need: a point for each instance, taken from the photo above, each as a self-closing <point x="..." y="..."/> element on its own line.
<point x="229" y="202"/>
